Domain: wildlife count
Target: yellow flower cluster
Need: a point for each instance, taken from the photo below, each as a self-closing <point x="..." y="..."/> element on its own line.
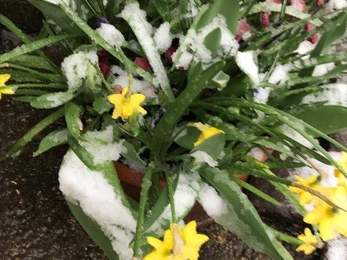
<point x="177" y="244"/>
<point x="329" y="207"/>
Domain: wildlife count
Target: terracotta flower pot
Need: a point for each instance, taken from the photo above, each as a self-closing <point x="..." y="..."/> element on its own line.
<point x="131" y="182"/>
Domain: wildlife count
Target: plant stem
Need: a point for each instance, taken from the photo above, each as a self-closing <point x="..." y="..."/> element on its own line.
<point x="145" y="186"/>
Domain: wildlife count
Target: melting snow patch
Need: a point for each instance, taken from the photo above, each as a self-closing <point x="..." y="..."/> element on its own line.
<point x="91" y="191"/>
<point x="204" y="157"/>
<point x="110" y="34"/>
<point x="247" y="62"/>
<point x="332" y="94"/>
<point x="75" y="67"/>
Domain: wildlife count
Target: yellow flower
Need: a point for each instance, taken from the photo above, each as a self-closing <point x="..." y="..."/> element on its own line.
<point x="3" y="79"/>
<point x="309" y="242"/>
<point x="305" y="197"/>
<point x="126" y="105"/>
<point x="331" y="221"/>
<point x="177" y="244"/>
<point x="206" y="132"/>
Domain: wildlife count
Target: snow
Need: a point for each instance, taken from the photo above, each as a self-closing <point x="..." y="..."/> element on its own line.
<point x="212" y="203"/>
<point x="91" y="191"/>
<point x="192" y="10"/>
<point x="162" y="37"/>
<point x="184" y="60"/>
<point x="327" y="181"/>
<point x="75" y="67"/>
<point x="136" y="18"/>
<point x="290" y="132"/>
<point x="193" y="44"/>
<point x="138" y="86"/>
<point x="280" y="74"/>
<point x="101" y="145"/>
<point x="261" y="95"/>
<point x="69" y="3"/>
<point x="204" y="157"/>
<point x="322" y="69"/>
<point x="336" y="5"/>
<point x="331" y="94"/>
<point x="247" y="62"/>
<point x="305" y="47"/>
<point x="185" y="196"/>
<point x="110" y="34"/>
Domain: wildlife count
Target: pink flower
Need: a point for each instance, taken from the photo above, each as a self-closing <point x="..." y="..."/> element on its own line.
<point x="265" y="19"/>
<point x="265" y="16"/>
<point x="103" y="55"/>
<point x="142" y="63"/>
<point x="242" y="28"/>
<point x="309" y="27"/>
<point x="169" y="52"/>
<point x="105" y="68"/>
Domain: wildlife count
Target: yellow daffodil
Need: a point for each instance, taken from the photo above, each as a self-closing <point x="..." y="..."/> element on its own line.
<point x="3" y="79"/>
<point x="126" y="105"/>
<point x="177" y="244"/>
<point x="332" y="221"/>
<point x="309" y="242"/>
<point x="305" y="197"/>
<point x="206" y="132"/>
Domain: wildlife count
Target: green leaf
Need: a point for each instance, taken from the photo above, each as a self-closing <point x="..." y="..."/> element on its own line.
<point x="93" y="230"/>
<point x="227" y="8"/>
<point x="96" y="38"/>
<point x="131" y="153"/>
<point x="55" y="13"/>
<point x="187" y="136"/>
<point x="175" y="110"/>
<point x="254" y="190"/>
<point x="325" y="118"/>
<point x="241" y="218"/>
<point x="73" y="121"/>
<point x="101" y="105"/>
<point x="213" y="146"/>
<point x="220" y="80"/>
<point x="159" y="218"/>
<point x="52" y="100"/>
<point x="335" y="31"/>
<point x="33" y="46"/>
<point x="33" y="61"/>
<point x="82" y="153"/>
<point x="34" y="131"/>
<point x="212" y="41"/>
<point x="163" y="8"/>
<point x="53" y="139"/>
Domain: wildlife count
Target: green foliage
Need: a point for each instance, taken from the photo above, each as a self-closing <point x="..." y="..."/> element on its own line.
<point x="242" y="218"/>
<point x="93" y="230"/>
<point x="181" y="90"/>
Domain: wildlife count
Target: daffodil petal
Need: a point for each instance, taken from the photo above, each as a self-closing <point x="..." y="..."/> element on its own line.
<point x="4" y="78"/>
<point x="8" y="91"/>
<point x="155" y="242"/>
